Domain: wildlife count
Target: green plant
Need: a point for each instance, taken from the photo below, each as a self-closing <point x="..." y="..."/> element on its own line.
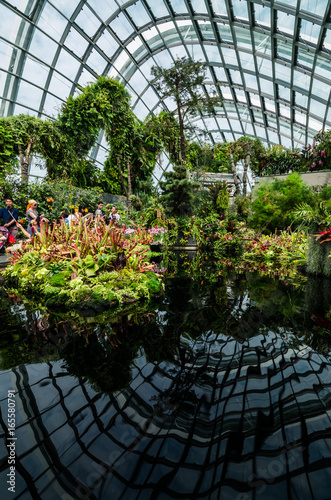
<point x="273" y="205"/>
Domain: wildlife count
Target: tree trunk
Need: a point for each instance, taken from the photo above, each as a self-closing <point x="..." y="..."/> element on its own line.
<point x="181" y="131"/>
<point x="234" y="172"/>
<point x="247" y="159"/>
<point x="25" y="159"/>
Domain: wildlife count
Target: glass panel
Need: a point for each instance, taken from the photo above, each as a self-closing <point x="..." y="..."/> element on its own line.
<point x="219" y="7"/>
<point x="76" y="43"/>
<point x="52" y="106"/>
<point x="210" y="124"/>
<point x="323" y="67"/>
<point x="284" y="111"/>
<point x="163" y="59"/>
<point x="284" y="93"/>
<point x="269" y="105"/>
<point x="178" y="6"/>
<point x="52" y="22"/>
<point x="291" y="3"/>
<point x="262" y="14"/>
<point x="206" y="30"/>
<point x="85" y="78"/>
<point x="228" y="137"/>
<point x="267" y="87"/>
<point x="320" y="89"/>
<point x="87" y="21"/>
<point x="43" y="47"/>
<point x="158" y="8"/>
<point x="236" y="126"/>
<point x="264" y="66"/>
<point x="96" y="62"/>
<point x="212" y="53"/>
<point x="65" y="7"/>
<point x="225" y="33"/>
<point x="285" y="22"/>
<point x="180" y="51"/>
<point x="243" y="37"/>
<point x="107" y="43"/>
<point x="255" y="100"/>
<point x="139" y="14"/>
<point x="220" y="74"/>
<point x="300" y="99"/>
<point x="6" y="52"/>
<point x="309" y="31"/>
<point x="327" y="40"/>
<point x="138" y="82"/>
<point x="286" y="142"/>
<point x="273" y="137"/>
<point x="301" y="80"/>
<point x="260" y="132"/>
<point x="314" y="124"/>
<point x="262" y="43"/>
<point x="223" y="123"/>
<point x="282" y="72"/>
<point x="317" y="108"/>
<point x="314" y="6"/>
<point x="35" y="72"/>
<point x="140" y="110"/>
<point x="230" y="56"/>
<point x="241" y="96"/>
<point x="247" y="60"/>
<point x="20" y="4"/>
<point x="29" y="95"/>
<point x="236" y="77"/>
<point x="300" y="118"/>
<point x="251" y="81"/>
<point x="284" y="49"/>
<point x="305" y="58"/>
<point x="59" y="85"/>
<point x="121" y="27"/>
<point x="248" y="128"/>
<point x="240" y="9"/>
<point x="67" y="65"/>
<point x="199" y="6"/>
<point x="104" y="9"/>
<point x="151" y="98"/>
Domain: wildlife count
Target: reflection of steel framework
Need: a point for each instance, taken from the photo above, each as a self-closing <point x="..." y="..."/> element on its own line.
<point x="268" y="60"/>
<point x="221" y="421"/>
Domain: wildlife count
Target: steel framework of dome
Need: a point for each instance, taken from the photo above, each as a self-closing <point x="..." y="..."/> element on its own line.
<point x="268" y="60"/>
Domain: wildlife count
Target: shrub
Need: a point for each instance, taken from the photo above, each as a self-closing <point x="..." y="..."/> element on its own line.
<point x="274" y="203"/>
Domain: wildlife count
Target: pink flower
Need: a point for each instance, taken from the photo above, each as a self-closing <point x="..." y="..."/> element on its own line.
<point x="320" y="133"/>
<point x="323" y="154"/>
<point x="313" y="165"/>
<point x="320" y="162"/>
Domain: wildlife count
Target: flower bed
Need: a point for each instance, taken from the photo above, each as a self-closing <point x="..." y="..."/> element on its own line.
<point x="84" y="264"/>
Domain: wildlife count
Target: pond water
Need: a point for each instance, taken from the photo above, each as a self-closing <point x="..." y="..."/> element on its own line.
<point x="216" y="390"/>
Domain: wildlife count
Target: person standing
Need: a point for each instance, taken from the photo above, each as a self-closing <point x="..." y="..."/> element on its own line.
<point x="99" y="215"/>
<point x="114" y="216"/>
<point x="9" y="215"/>
<point x="31" y="214"/>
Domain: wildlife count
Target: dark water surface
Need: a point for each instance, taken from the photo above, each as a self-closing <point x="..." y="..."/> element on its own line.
<point x="214" y="391"/>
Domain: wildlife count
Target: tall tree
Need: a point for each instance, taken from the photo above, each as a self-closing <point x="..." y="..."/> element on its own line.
<point x="183" y="82"/>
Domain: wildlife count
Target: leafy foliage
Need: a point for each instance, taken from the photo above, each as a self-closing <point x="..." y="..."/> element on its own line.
<point x="274" y="203"/>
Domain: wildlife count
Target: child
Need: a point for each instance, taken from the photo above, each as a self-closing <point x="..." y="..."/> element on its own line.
<point x="3" y="239"/>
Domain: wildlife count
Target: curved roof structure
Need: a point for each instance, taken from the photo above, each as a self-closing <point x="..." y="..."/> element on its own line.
<point x="268" y="59"/>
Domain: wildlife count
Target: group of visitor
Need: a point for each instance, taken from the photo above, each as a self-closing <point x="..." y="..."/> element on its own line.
<point x="10" y="225"/>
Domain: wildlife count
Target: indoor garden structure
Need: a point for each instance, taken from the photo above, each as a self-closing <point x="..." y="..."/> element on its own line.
<point x="166" y="328"/>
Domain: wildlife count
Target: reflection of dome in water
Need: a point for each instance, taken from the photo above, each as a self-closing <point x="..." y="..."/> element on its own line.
<point x="224" y="421"/>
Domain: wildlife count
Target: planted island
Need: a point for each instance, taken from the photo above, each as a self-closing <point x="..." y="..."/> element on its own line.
<point x="85" y="266"/>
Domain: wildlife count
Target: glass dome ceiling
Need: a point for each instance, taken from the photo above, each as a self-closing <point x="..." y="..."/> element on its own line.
<point x="269" y="60"/>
